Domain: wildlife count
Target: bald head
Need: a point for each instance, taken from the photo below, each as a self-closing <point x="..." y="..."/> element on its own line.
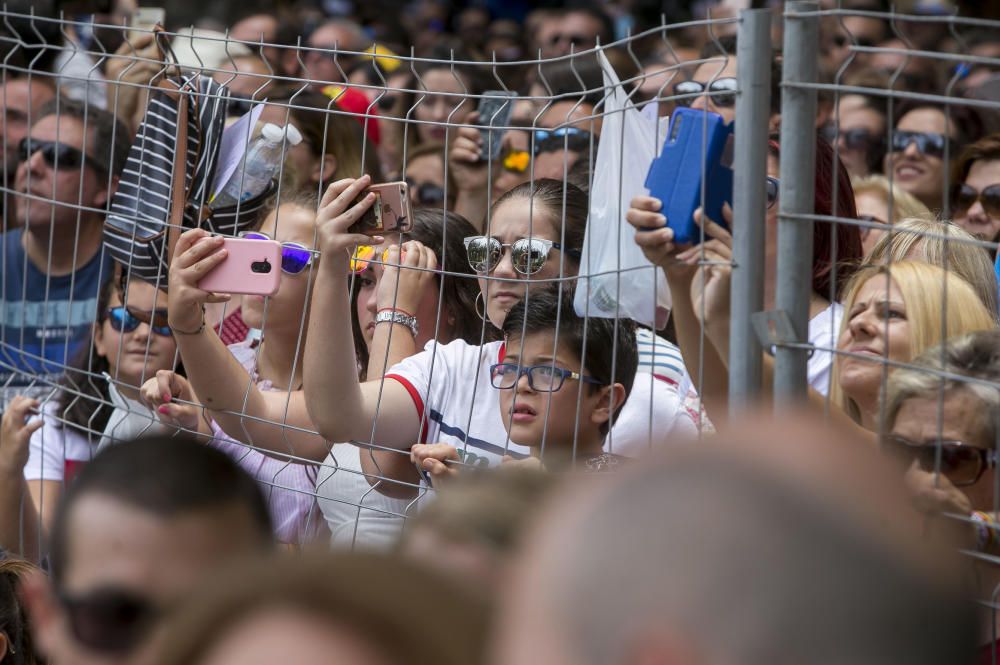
<point x="745" y="550"/>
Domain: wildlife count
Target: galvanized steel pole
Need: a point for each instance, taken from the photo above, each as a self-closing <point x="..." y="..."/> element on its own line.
<point x="798" y="166"/>
<point x="753" y="104"/>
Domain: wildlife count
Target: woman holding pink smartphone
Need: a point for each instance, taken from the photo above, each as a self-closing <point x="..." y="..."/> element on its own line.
<point x="273" y="268"/>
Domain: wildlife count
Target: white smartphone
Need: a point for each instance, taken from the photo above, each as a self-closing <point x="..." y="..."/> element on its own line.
<point x="144" y="18"/>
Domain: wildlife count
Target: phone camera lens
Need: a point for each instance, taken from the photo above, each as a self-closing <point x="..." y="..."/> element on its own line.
<point x="262" y="267"/>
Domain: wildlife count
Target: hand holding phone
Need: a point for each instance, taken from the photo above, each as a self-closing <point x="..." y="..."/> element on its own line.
<point x="252" y="267"/>
<point x="390" y="213"/>
<point x="495" y="109"/>
<point x="695" y="162"/>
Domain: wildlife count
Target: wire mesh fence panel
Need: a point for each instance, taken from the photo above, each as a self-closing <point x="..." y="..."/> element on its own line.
<point x="418" y="264"/>
<point x="137" y="161"/>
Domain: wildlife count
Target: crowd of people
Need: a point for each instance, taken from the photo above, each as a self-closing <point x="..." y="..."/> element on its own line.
<point x="419" y="447"/>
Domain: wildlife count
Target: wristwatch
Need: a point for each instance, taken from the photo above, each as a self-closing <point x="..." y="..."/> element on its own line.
<point x="397" y="316"/>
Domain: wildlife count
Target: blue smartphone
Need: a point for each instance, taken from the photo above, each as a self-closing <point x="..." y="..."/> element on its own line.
<point x="697" y="153"/>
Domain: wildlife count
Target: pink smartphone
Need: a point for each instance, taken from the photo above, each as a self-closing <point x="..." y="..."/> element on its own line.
<point x="253" y="267"/>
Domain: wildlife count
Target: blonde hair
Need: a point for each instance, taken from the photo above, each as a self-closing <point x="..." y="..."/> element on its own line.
<point x="941" y="244"/>
<point x="903" y="204"/>
<point x="934" y="299"/>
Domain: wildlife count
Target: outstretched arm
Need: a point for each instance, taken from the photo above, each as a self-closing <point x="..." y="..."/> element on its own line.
<point x="343" y="408"/>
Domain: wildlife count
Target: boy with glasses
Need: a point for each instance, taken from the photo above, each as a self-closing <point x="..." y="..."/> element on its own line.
<point x="561" y="382"/>
<point x="54" y="265"/>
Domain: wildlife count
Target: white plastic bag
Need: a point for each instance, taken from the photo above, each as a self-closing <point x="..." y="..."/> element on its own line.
<point x="616" y="279"/>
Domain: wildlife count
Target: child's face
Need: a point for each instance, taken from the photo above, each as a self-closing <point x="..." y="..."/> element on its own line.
<point x="524" y="409"/>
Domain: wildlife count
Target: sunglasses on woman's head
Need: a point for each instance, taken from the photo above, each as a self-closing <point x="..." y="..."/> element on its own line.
<point x="965" y="196"/>
<point x="722" y="91"/>
<point x="110" y="621"/>
<point x="427" y="194"/>
<point x="123" y="319"/>
<point x="927" y="143"/>
<point x="56" y="154"/>
<point x="295" y="257"/>
<point x="528" y="255"/>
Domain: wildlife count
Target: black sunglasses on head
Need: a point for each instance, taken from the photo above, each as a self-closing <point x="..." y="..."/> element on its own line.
<point x="57" y="155"/>
<point x="112" y="621"/>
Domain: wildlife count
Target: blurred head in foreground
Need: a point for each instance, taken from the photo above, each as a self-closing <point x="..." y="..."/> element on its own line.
<point x="778" y="543"/>
<point x="138" y="530"/>
<point x="328" y="609"/>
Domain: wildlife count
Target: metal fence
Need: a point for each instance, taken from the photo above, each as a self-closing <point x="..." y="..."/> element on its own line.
<point x="421" y="101"/>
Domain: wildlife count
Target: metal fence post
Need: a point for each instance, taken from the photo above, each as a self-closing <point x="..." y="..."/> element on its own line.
<point x="798" y="166"/>
<point x="749" y="204"/>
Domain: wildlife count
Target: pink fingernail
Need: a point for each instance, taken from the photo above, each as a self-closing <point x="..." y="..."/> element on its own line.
<point x="166" y="397"/>
<point x="164" y="410"/>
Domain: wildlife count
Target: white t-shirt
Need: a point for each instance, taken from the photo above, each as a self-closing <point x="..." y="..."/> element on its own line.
<point x="823" y="331"/>
<point x="358" y="515"/>
<point x="56" y="451"/>
<point x="129" y="420"/>
<point x="450" y="384"/>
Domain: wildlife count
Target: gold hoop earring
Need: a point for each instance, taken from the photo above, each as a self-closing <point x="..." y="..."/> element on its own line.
<point x="481" y="314"/>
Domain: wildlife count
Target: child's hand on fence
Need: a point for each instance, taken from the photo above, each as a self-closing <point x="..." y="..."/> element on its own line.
<point x="337" y="213"/>
<point x="470" y="173"/>
<point x="432" y="458"/>
<point x="15" y="434"/>
<point x="160" y="393"/>
<point x="711" y="286"/>
<point x="196" y="254"/>
<point x="652" y="235"/>
<point x="412" y="274"/>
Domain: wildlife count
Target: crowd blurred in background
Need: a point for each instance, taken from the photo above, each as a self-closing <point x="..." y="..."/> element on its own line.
<point x="417" y="447"/>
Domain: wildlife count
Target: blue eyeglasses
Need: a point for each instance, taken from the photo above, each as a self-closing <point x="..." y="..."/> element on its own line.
<point x="773" y="188"/>
<point x="564" y="138"/>
<point x="295" y="257"/>
<point x="123" y="319"/>
<point x="541" y="378"/>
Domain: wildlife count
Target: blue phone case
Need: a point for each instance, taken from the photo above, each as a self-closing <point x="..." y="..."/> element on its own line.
<point x="676" y="176"/>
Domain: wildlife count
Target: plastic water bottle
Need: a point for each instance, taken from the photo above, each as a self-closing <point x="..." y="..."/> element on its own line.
<point x="259" y="165"/>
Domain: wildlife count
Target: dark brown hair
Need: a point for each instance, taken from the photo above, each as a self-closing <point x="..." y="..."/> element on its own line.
<point x="985" y="149"/>
<point x="560" y="202"/>
<point x="13" y="621"/>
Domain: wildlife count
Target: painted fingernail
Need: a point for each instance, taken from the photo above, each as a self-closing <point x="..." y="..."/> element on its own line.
<point x="164" y="410"/>
<point x="167" y="397"/>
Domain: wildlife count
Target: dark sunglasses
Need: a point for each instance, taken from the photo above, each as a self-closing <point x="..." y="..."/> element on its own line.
<point x="108" y="620"/>
<point x="722" y="91"/>
<point x="295" y="257"/>
<point x="56" y="155"/>
<point x="528" y="255"/>
<point x="859" y="139"/>
<point x="773" y="189"/>
<point x="426" y="193"/>
<point x="564" y="138"/>
<point x="929" y="144"/>
<point x="123" y="319"/>
<point x="961" y="463"/>
<point x="964" y="197"/>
